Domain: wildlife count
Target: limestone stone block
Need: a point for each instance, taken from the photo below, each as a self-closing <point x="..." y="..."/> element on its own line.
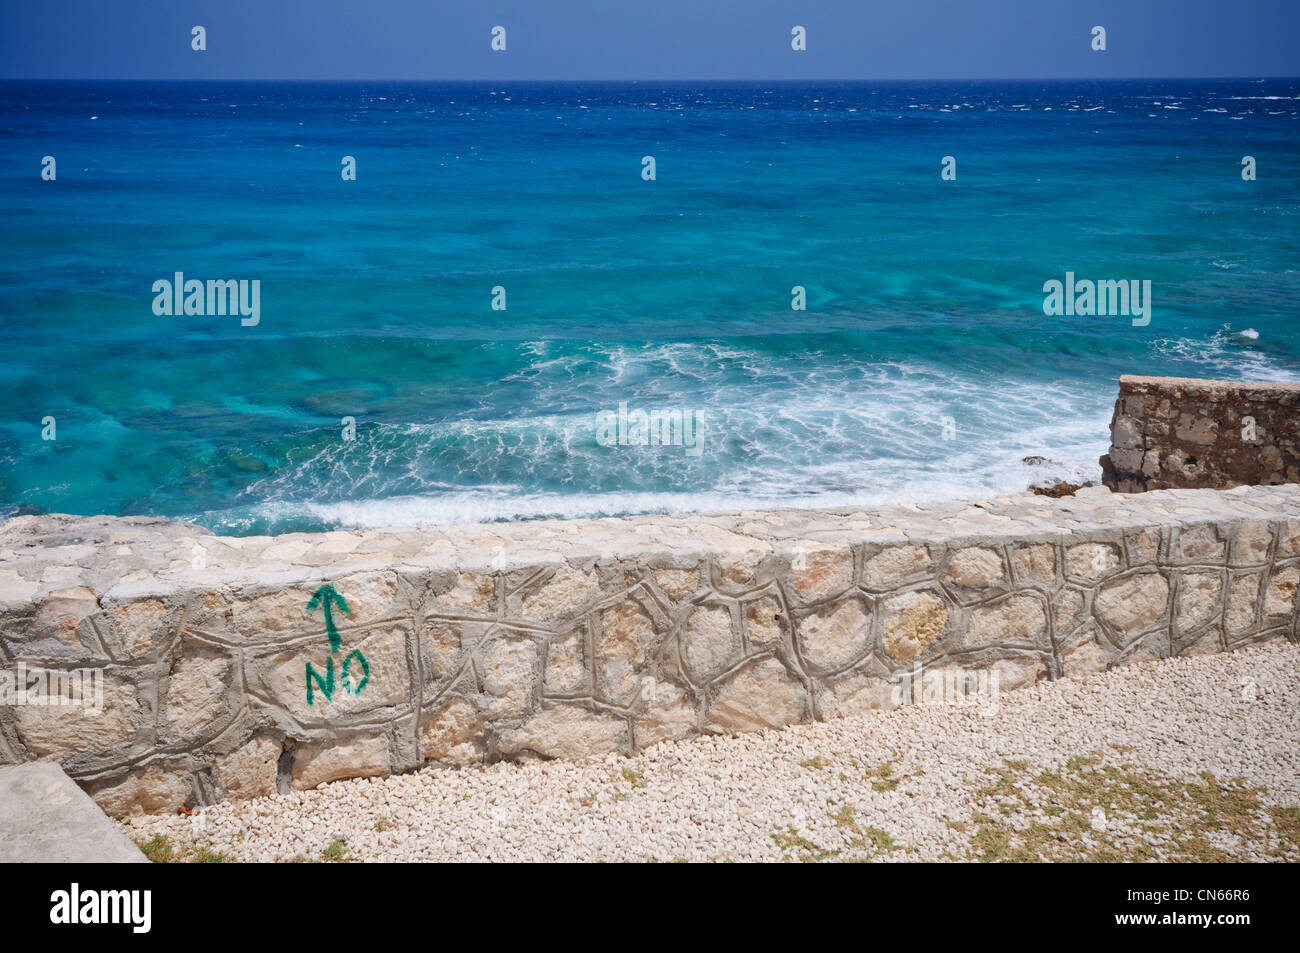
<point x="1067" y="609"/>
<point x="761" y="695"/>
<point x="1126" y="432"/>
<point x="911" y="621"/>
<point x="200" y="696"/>
<point x="895" y="565"/>
<point x="1132" y="604"/>
<point x="363" y="756"/>
<point x="142" y="626"/>
<point x="55" y="629"/>
<point x="277" y="615"/>
<point x="677" y="584"/>
<point x="373" y="595"/>
<point x="857" y="693"/>
<point x="566" y="593"/>
<point x="16" y="592"/>
<point x="1289" y="538"/>
<point x="444" y="644"/>
<point x="818" y="571"/>
<point x="1200" y="544"/>
<point x="1020" y="619"/>
<point x="976" y="568"/>
<point x="668" y="716"/>
<point x="155" y="789"/>
<point x="1036" y="564"/>
<point x="1084" y="654"/>
<point x="472" y="593"/>
<point x="1091" y="562"/>
<point x="56" y="731"/>
<point x="1280" y="596"/>
<point x="1243" y="598"/>
<point x="1009" y="674"/>
<point x="509" y="672"/>
<point x="567" y="731"/>
<point x="738" y="557"/>
<point x="763" y="622"/>
<point x="376" y="676"/>
<point x="627" y="635"/>
<point x="453" y="734"/>
<point x="211" y="612"/>
<point x="1143" y="546"/>
<point x="1126" y="461"/>
<point x="1251" y="543"/>
<point x="1200" y="598"/>
<point x="567" y="672"/>
<point x="710" y="644"/>
<point x="1192" y="428"/>
<point x="252" y="770"/>
<point x="273" y="616"/>
<point x="835" y="635"/>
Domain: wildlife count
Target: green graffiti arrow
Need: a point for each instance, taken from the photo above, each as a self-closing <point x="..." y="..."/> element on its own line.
<point x="328" y="597"/>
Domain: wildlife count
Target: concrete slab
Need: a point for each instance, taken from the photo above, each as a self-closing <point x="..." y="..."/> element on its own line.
<point x="46" y="818"/>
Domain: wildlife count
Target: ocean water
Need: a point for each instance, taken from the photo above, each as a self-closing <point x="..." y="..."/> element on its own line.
<point x="923" y="368"/>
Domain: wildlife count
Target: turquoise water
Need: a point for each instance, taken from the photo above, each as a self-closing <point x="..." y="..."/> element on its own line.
<point x="924" y="297"/>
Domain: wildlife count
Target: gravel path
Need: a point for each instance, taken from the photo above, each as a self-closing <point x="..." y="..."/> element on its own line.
<point x="1138" y="763"/>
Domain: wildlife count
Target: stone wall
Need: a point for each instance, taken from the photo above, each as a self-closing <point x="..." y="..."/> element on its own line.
<point x="1179" y="433"/>
<point x="223" y="676"/>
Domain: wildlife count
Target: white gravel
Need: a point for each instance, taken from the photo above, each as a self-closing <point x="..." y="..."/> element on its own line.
<point x="885" y="786"/>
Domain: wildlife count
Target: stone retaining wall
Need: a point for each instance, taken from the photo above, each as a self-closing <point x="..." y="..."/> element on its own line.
<point x="222" y="677"/>
<point x="1179" y="433"/>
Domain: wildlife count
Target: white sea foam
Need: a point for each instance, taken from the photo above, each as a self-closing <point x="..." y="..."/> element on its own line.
<point x="809" y="429"/>
<point x="881" y="484"/>
<point x="1227" y="355"/>
<point x="815" y="430"/>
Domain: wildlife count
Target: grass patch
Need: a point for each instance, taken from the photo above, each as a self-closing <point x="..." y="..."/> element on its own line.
<point x="634" y="778"/>
<point x="844" y="816"/>
<point x="204" y="854"/>
<point x="1287" y="821"/>
<point x="883" y="779"/>
<point x="1099" y="813"/>
<point x="862" y="843"/>
<point x="336" y="852"/>
<point x="804" y="850"/>
<point x="158" y="849"/>
<point x="879" y="841"/>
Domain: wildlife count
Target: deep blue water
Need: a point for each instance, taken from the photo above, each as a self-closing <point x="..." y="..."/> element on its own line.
<point x="924" y="296"/>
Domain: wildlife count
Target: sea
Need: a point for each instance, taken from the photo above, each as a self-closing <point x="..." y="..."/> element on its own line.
<point x="439" y="338"/>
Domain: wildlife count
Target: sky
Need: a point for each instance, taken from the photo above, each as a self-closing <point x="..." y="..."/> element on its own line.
<point x="651" y="39"/>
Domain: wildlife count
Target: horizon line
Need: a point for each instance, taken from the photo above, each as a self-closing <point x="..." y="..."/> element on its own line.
<point x="829" y="79"/>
